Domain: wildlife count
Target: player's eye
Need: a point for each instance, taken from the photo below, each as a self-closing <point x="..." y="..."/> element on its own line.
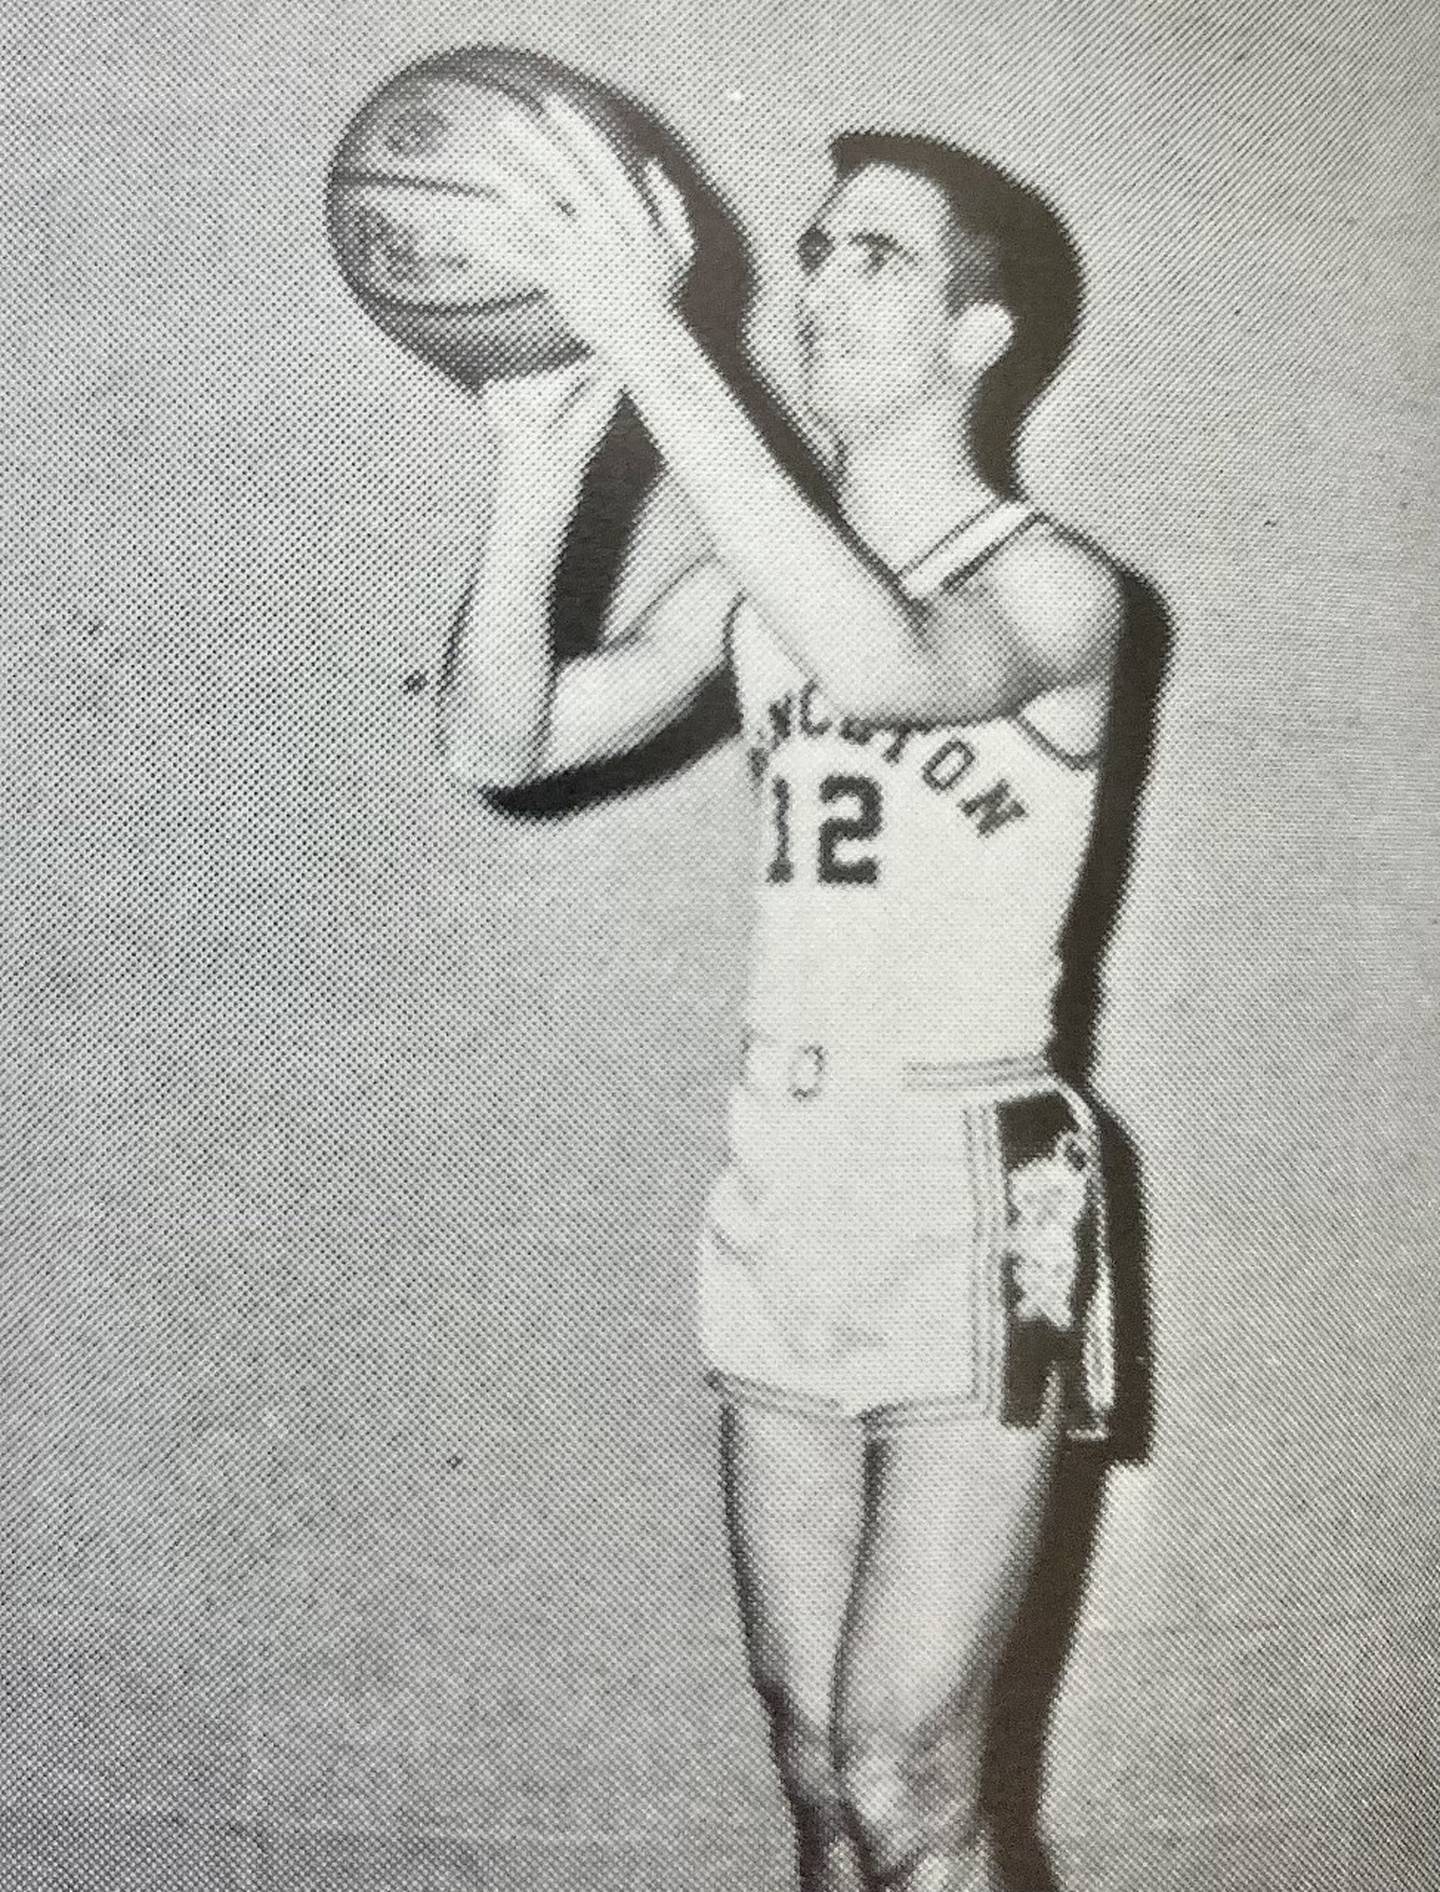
<point x="811" y="251"/>
<point x="874" y="258"/>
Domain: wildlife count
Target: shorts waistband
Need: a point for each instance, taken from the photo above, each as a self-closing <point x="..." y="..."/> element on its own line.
<point x="774" y="1066"/>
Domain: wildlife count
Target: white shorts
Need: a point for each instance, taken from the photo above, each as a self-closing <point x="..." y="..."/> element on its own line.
<point x="896" y="1240"/>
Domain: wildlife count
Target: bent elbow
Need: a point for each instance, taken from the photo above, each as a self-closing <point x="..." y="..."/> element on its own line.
<point x="470" y="766"/>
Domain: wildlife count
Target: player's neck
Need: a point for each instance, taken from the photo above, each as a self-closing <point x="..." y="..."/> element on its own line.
<point x="904" y="486"/>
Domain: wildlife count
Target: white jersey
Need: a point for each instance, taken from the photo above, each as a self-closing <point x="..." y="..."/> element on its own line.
<point x="913" y="883"/>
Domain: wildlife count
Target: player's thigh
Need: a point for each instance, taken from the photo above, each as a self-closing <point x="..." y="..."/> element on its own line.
<point x="794" y="1490"/>
<point x="955" y="1511"/>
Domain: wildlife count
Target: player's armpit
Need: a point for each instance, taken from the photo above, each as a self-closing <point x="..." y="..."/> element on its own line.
<point x="623" y="694"/>
<point x="1045" y="614"/>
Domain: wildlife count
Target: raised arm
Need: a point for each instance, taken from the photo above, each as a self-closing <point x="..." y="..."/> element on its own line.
<point x="603" y="250"/>
<point x="507" y="713"/>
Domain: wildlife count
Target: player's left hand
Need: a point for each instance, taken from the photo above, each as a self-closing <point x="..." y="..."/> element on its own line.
<point x="610" y="252"/>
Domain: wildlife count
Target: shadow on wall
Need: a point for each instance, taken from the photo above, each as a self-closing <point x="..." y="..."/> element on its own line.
<point x="1033" y="1669"/>
<point x="1124" y="773"/>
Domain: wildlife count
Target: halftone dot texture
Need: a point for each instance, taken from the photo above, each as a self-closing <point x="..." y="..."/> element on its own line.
<point x="357" y="1521"/>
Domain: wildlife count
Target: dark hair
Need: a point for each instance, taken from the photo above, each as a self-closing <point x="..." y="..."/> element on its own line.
<point x="1012" y="247"/>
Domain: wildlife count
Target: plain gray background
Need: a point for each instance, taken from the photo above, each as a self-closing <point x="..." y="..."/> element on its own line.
<point x="357" y="1502"/>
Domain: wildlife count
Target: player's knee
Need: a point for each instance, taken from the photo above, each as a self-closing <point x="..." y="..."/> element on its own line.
<point x="909" y="1797"/>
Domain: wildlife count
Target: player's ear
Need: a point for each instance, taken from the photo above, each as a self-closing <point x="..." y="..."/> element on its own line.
<point x="980" y="333"/>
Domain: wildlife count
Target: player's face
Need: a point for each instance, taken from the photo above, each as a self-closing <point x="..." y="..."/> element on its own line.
<point x="876" y="322"/>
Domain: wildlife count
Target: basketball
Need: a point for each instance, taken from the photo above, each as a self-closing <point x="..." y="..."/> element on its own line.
<point x="408" y="217"/>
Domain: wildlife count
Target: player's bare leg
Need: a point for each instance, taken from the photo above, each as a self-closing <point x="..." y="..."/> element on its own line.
<point x="953" y="1515"/>
<point x="794" y="1501"/>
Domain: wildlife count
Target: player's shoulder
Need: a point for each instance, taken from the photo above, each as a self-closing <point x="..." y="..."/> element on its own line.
<point x="1045" y="548"/>
<point x="1057" y="584"/>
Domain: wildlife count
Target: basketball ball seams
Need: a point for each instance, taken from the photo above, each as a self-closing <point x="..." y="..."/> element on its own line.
<point x="438" y="186"/>
<point x="532" y="102"/>
<point x="354" y="251"/>
<point x="444" y="311"/>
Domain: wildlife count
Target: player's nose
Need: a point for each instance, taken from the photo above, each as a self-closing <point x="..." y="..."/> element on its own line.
<point x="823" y="270"/>
<point x="821" y="293"/>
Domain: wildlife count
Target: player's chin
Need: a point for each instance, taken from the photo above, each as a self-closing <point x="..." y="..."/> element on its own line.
<point x="841" y="395"/>
<point x="848" y="413"/>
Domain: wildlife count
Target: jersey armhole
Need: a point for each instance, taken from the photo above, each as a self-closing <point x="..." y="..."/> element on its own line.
<point x="1076" y="759"/>
<point x="1007" y="522"/>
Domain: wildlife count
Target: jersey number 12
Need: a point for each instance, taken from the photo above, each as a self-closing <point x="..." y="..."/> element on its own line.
<point x="858" y="804"/>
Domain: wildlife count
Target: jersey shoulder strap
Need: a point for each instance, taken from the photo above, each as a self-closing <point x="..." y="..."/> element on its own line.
<point x="968" y="545"/>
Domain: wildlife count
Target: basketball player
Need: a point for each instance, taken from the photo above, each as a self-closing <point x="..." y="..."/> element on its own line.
<point x="903" y="1292"/>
